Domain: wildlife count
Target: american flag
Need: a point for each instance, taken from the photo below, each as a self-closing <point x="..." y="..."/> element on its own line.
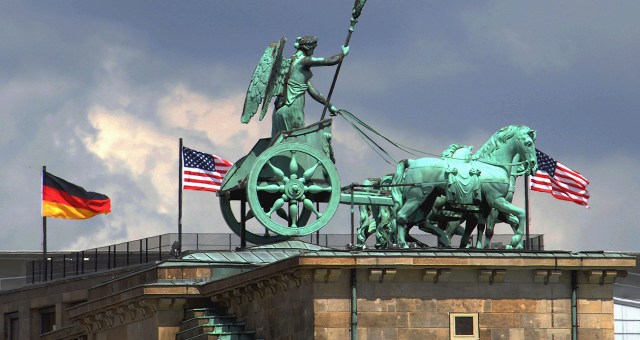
<point x="558" y="180"/>
<point x="202" y="171"/>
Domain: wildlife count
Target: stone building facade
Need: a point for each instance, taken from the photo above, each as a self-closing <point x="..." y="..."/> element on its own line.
<point x="294" y="290"/>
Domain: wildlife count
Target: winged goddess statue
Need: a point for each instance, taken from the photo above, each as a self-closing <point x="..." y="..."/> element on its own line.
<point x="287" y="79"/>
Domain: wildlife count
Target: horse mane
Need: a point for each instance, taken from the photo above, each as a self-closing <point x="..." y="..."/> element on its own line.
<point x="499" y="138"/>
<point x="459" y="152"/>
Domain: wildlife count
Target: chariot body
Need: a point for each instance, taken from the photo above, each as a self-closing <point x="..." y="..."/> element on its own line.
<point x="291" y="185"/>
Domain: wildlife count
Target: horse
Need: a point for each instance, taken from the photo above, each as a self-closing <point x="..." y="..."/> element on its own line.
<point x="377" y="219"/>
<point x="417" y="183"/>
<point x="439" y="222"/>
<point x="491" y="215"/>
<point x="484" y="221"/>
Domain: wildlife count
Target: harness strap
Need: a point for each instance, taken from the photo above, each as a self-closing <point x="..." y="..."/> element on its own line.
<point x="353" y="120"/>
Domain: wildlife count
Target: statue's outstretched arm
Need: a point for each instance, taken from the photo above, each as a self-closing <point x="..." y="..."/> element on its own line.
<point x="333" y="60"/>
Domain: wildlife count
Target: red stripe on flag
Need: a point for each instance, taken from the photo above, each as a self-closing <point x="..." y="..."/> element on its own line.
<point x="57" y="196"/>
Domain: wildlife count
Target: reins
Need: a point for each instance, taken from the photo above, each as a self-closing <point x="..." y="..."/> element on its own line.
<point x="356" y="123"/>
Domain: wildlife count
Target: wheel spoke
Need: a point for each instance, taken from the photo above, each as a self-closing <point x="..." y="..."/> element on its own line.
<point x="309" y="205"/>
<point x="276" y="205"/>
<point x="293" y="165"/>
<point x="307" y="174"/>
<point x="293" y="213"/>
<point x="279" y="173"/>
<point x="271" y="188"/>
<point x="314" y="189"/>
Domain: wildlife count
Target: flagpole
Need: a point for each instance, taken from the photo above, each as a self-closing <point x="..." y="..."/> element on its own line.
<point x="180" y="195"/>
<point x="44" y="223"/>
<point x="526" y="211"/>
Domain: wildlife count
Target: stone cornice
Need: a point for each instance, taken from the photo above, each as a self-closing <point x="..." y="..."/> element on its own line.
<point x="125" y="312"/>
<point x="471" y="261"/>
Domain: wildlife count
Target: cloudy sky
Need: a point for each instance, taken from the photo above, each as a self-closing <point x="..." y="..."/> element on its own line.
<point x="100" y="93"/>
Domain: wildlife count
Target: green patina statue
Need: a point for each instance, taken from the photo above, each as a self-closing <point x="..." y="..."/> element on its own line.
<point x="289" y="181"/>
<point x="297" y="167"/>
<point x="426" y="179"/>
<point x="439" y="194"/>
<point x="287" y="79"/>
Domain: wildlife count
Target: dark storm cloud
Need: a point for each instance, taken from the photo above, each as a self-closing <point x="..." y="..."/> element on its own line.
<point x="100" y="91"/>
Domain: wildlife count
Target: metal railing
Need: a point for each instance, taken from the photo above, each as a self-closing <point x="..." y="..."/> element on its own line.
<point x="158" y="248"/>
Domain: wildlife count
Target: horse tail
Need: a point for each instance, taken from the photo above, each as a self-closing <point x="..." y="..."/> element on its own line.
<point x="398" y="178"/>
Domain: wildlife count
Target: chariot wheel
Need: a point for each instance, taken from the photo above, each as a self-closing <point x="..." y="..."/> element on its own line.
<point x="293" y="189"/>
<point x="231" y="214"/>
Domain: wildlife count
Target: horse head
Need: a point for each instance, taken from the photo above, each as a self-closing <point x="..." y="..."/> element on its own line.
<point x="526" y="149"/>
<point x="509" y="143"/>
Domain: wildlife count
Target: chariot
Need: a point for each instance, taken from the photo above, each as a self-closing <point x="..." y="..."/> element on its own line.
<point x="291" y="185"/>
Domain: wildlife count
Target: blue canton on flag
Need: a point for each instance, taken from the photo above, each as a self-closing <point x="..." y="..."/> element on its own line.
<point x="546" y="163"/>
<point x="196" y="159"/>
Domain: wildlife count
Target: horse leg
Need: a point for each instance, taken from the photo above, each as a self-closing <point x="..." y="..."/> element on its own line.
<point x="375" y="223"/>
<point x="435" y="226"/>
<point x="411" y="239"/>
<point x="441" y="231"/>
<point x="365" y="226"/>
<point x="506" y="207"/>
<point x="392" y="232"/>
<point x="402" y="221"/>
<point x="491" y="224"/>
<point x="481" y="230"/>
<point x="384" y="232"/>
<point x="470" y="225"/>
<point x="444" y="238"/>
<point x="453" y="229"/>
<point x="513" y="222"/>
<point x="414" y="198"/>
<point x="436" y="230"/>
<point x="402" y="233"/>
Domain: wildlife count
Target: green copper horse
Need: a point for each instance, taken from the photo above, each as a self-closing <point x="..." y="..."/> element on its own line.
<point x="378" y="220"/>
<point x="487" y="177"/>
<point x="484" y="221"/>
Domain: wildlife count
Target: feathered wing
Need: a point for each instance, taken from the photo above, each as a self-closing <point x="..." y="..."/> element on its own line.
<point x="276" y="79"/>
<point x="265" y="81"/>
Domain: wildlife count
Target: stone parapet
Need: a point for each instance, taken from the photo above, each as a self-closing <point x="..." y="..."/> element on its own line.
<point x="309" y="292"/>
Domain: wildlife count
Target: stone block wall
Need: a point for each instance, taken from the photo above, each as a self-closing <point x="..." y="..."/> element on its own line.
<point x="407" y="307"/>
<point x="282" y="310"/>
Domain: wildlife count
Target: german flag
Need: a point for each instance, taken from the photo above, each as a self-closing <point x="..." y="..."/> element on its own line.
<point x="61" y="199"/>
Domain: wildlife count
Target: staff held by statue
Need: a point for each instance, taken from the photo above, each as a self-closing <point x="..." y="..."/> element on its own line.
<point x="355" y="14"/>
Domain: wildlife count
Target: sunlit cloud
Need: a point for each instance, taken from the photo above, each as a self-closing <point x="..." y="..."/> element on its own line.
<point x="218" y="119"/>
<point x="127" y="144"/>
